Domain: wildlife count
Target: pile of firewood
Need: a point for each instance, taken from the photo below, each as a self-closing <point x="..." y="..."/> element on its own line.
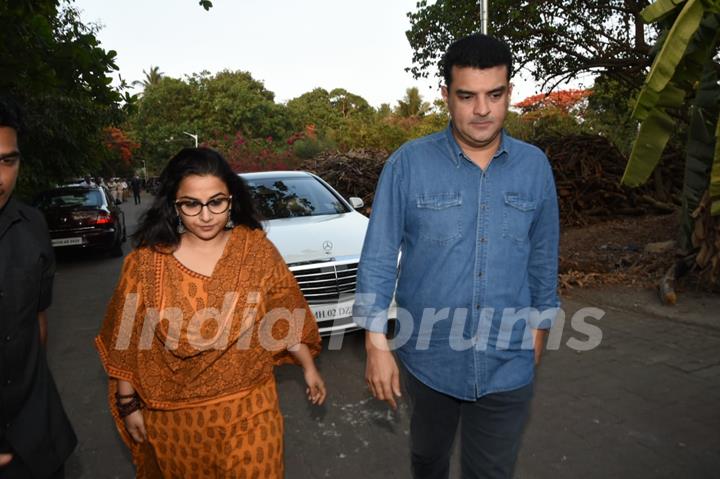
<point x="354" y="173"/>
<point x="588" y="170"/>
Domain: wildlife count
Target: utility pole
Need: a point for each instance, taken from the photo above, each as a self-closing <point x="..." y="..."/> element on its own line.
<point x="483" y="16"/>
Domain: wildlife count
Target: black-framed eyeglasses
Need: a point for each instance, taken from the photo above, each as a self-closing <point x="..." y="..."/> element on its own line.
<point x="194" y="207"/>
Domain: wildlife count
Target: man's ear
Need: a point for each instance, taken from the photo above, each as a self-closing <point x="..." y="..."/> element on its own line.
<point x="444" y="92"/>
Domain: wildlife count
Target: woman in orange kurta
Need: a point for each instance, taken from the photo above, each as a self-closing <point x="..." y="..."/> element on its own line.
<point x="204" y="309"/>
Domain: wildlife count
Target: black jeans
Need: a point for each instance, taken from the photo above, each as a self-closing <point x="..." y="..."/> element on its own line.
<point x="17" y="470"/>
<point x="490" y="431"/>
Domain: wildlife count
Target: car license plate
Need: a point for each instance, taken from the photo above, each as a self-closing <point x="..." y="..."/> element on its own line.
<point x="67" y="241"/>
<point x="324" y="312"/>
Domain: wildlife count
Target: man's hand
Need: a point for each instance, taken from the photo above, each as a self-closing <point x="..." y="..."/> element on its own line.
<point x="381" y="372"/>
<point x="5" y="459"/>
<point x="539" y="336"/>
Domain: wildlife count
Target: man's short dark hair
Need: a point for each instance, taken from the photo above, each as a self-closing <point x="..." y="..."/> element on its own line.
<point x="476" y="51"/>
<point x="9" y="114"/>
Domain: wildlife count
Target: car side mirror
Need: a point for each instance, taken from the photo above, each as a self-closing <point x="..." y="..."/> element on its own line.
<point x="356" y="202"/>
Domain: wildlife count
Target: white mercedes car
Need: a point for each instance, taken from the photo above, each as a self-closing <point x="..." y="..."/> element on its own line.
<point x="319" y="234"/>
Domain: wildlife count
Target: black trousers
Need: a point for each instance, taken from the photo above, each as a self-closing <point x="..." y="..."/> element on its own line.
<point x="490" y="431"/>
<point x="136" y="197"/>
<point x="17" y="470"/>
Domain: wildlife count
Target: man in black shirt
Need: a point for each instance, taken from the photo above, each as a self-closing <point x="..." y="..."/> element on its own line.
<point x="135" y="185"/>
<point x="35" y="435"/>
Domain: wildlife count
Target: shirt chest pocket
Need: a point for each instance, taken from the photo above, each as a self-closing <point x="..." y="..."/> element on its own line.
<point x="439" y="217"/>
<point x="518" y="214"/>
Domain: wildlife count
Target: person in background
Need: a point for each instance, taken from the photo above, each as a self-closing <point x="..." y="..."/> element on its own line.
<point x="87" y="181"/>
<point x="136" y="185"/>
<point x="36" y="437"/>
<point x="119" y="188"/>
<point x="198" y="397"/>
<point x="475" y="212"/>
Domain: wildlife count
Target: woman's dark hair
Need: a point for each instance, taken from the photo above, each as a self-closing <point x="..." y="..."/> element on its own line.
<point x="476" y="51"/>
<point x="158" y="225"/>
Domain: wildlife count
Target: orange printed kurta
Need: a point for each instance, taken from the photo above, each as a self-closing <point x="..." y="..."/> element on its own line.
<point x="200" y="350"/>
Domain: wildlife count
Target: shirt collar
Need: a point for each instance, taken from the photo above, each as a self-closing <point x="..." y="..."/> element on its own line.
<point x="457" y="153"/>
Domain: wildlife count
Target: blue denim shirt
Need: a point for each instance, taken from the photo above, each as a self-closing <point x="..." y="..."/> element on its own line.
<point x="478" y="262"/>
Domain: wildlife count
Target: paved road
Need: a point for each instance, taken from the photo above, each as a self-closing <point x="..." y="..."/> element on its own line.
<point x="644" y="404"/>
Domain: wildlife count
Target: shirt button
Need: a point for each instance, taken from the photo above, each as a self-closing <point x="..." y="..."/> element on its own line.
<point x="8" y="382"/>
<point x="7" y="339"/>
<point x="482" y="240"/>
<point x="477" y="306"/>
<point x="480" y="274"/>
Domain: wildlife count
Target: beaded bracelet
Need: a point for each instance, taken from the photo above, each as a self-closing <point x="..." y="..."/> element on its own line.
<point x="125" y="409"/>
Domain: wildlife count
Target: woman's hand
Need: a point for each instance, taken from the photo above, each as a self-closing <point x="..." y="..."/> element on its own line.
<point x="316" y="387"/>
<point x="135" y="425"/>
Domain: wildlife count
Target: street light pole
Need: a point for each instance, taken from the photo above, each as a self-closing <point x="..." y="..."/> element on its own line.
<point x="194" y="137"/>
<point x="483" y="16"/>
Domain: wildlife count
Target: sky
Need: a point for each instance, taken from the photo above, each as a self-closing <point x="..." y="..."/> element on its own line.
<point x="293" y="46"/>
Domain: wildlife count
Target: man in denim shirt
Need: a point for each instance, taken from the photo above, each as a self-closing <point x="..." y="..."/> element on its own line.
<point x="474" y="213"/>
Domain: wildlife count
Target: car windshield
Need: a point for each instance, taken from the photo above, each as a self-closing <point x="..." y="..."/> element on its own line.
<point x="291" y="197"/>
<point x="70" y="198"/>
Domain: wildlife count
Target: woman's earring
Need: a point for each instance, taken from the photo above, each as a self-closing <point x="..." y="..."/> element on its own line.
<point x="180" y="226"/>
<point x="230" y="224"/>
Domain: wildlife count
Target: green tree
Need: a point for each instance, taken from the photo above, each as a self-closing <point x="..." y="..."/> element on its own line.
<point x="555" y="39"/>
<point x="159" y="119"/>
<point x="233" y="101"/>
<point x="340" y="117"/>
<point x="314" y="108"/>
<point x="412" y="104"/>
<point x="385" y="110"/>
<point x="53" y="65"/>
<point x="608" y="112"/>
<point x="349" y="104"/>
<point x="210" y="106"/>
<point x="152" y="77"/>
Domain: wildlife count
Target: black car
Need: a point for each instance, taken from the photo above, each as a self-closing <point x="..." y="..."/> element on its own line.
<point x="83" y="217"/>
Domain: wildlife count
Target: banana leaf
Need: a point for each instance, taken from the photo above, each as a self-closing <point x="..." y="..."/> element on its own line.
<point x="687" y="75"/>
<point x="700" y="149"/>
<point x="653" y="135"/>
<point x="666" y="62"/>
<point x="656" y="11"/>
